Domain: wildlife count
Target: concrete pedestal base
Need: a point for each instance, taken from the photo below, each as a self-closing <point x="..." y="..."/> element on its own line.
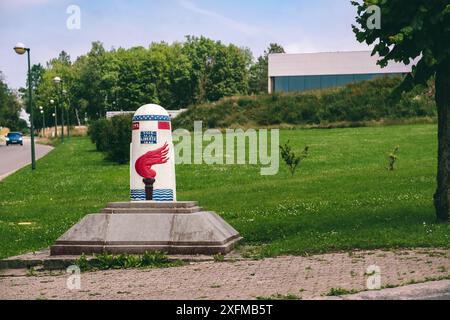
<point x="136" y="227"/>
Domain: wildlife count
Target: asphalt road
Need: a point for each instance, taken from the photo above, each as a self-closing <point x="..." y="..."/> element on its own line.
<point x="14" y="157"/>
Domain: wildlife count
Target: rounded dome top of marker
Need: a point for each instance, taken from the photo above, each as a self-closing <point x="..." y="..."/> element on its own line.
<point x="151" y="110"/>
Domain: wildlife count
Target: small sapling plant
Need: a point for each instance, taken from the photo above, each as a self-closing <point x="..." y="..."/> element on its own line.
<point x="392" y="159"/>
<point x="292" y="160"/>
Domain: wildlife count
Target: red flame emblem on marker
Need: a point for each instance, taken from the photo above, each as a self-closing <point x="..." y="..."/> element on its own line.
<point x="144" y="164"/>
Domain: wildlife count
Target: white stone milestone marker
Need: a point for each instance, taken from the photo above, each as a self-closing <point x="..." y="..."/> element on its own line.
<point x="152" y="155"/>
<point x="143" y="226"/>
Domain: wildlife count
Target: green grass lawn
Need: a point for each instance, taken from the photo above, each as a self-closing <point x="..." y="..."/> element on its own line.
<point x="342" y="197"/>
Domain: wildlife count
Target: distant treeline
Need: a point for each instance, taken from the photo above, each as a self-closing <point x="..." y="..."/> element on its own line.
<point x="358" y="102"/>
<point x="174" y="75"/>
<point x="10" y="108"/>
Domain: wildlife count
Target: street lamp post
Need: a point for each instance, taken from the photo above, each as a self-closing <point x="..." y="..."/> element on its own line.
<point x="54" y="116"/>
<point x="68" y="113"/>
<point x="43" y="120"/>
<point x="21" y="49"/>
<point x="52" y="102"/>
<point x="58" y="81"/>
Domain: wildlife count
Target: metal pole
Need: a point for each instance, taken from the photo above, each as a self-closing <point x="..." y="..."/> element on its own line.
<point x="56" y="123"/>
<point x="68" y="124"/>
<point x="30" y="105"/>
<point x="68" y="118"/>
<point x="62" y="112"/>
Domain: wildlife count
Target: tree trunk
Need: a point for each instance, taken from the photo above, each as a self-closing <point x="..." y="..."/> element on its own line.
<point x="442" y="195"/>
<point x="78" y="118"/>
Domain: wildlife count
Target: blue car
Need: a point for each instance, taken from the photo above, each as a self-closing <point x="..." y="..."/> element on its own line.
<point x="14" y="138"/>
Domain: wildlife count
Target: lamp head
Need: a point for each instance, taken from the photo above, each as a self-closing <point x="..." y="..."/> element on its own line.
<point x="20" y="48"/>
<point x="57" y="80"/>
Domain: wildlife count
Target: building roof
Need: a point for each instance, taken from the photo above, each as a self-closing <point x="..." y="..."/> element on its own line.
<point x="330" y="63"/>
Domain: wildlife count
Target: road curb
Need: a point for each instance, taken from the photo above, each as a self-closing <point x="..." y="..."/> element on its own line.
<point x="432" y="290"/>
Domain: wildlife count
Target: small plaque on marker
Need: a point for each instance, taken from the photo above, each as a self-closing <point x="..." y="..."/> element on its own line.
<point x="149" y="137"/>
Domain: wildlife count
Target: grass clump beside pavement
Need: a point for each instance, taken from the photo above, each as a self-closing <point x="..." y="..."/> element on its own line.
<point x="108" y="261"/>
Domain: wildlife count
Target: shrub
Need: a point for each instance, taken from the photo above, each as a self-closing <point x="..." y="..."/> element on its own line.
<point x="113" y="137"/>
<point x="393" y="157"/>
<point x="99" y="133"/>
<point x="120" y="139"/>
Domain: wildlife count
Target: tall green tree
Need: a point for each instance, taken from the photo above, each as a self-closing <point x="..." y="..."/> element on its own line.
<point x="259" y="72"/>
<point x="419" y="30"/>
<point x="227" y="73"/>
<point x="200" y="51"/>
<point x="91" y="87"/>
<point x="37" y="72"/>
<point x="136" y="78"/>
<point x="9" y="108"/>
<point x="46" y="90"/>
<point x="217" y="70"/>
<point x="64" y="58"/>
<point x="171" y="74"/>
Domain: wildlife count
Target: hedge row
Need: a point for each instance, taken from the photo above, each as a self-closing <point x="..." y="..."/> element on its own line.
<point x="112" y="137"/>
<point x="363" y="101"/>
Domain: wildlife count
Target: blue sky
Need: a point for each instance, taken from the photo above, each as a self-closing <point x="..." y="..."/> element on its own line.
<point x="299" y="25"/>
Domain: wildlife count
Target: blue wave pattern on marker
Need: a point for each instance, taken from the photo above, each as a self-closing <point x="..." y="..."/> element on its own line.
<point x="158" y="195"/>
<point x="151" y="118"/>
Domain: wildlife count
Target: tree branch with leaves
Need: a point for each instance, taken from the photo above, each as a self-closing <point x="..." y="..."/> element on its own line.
<point x="416" y="31"/>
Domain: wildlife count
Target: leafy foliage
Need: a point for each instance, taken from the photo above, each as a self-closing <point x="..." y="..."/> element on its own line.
<point x="98" y="132"/>
<point x="118" y="149"/>
<point x="393" y="156"/>
<point x="292" y="160"/>
<point x="336" y="292"/>
<point x="106" y="261"/>
<point x="363" y="101"/>
<point x="174" y="75"/>
<point x="112" y="137"/>
<point x="219" y="257"/>
<point x="410" y="30"/>
<point x="259" y="72"/>
<point x="10" y="108"/>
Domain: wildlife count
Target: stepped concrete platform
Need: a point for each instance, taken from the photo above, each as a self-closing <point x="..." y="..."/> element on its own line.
<point x="136" y="227"/>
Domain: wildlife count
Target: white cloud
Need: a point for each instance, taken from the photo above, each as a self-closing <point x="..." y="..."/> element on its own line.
<point x="233" y="24"/>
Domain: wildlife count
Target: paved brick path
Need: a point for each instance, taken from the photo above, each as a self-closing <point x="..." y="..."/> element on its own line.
<point x="305" y="277"/>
